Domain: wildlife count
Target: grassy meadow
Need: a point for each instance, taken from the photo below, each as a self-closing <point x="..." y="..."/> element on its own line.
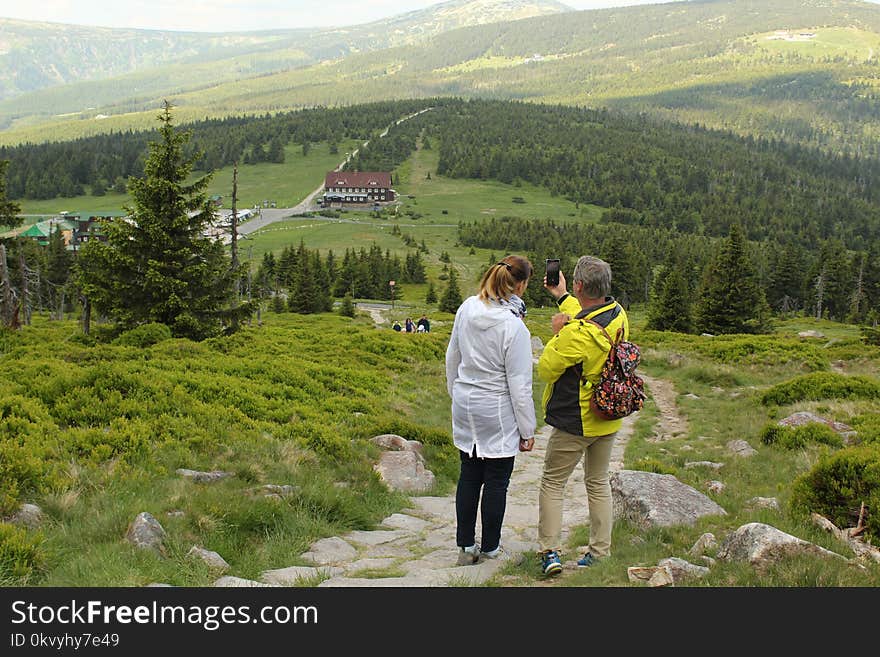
<point x="93" y="430"/>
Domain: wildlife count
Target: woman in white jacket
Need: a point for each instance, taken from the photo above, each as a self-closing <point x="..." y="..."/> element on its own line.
<point x="489" y="377"/>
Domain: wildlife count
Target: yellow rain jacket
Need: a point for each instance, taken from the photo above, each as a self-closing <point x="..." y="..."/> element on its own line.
<point x="571" y="363"/>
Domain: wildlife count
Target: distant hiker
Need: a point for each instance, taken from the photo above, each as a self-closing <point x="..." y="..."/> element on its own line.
<point x="423" y="324"/>
<point x="570" y="365"/>
<point x="489" y="378"/>
<point x="410" y="327"/>
<point x="396" y="325"/>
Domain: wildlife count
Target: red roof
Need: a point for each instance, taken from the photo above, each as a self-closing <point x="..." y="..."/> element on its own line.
<point x="366" y="179"/>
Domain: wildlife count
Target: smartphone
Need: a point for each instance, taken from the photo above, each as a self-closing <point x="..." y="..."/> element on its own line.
<point x="552" y="272"/>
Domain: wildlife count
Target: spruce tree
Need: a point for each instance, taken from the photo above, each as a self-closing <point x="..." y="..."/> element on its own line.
<point x="8" y="210"/>
<point x="157" y="265"/>
<point x="346" y="308"/>
<point x="730" y="299"/>
<point x="431" y="296"/>
<point x="451" y="299"/>
<point x="671" y="305"/>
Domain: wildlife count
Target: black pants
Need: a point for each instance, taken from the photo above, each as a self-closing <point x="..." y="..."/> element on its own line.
<point x="493" y="477"/>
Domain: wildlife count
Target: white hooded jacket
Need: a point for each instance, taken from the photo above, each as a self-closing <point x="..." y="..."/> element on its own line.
<point x="489" y="377"/>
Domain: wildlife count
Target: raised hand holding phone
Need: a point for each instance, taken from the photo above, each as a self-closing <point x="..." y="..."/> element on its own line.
<point x="552" y="269"/>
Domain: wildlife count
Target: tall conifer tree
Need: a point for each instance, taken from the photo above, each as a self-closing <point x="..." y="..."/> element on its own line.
<point x="157" y="265"/>
<point x="730" y="299"/>
<point x="451" y="299"/>
<point x="671" y="303"/>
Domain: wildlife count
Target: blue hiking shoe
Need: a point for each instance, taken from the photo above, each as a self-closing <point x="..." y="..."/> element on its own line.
<point x="587" y="560"/>
<point x="550" y="563"/>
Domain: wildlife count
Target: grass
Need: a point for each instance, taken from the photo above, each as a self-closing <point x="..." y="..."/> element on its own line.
<point x="244" y="405"/>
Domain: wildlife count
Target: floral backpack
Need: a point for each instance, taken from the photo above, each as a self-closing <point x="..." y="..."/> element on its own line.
<point x="619" y="391"/>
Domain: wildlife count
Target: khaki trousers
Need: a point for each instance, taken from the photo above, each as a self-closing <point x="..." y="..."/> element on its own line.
<point x="563" y="452"/>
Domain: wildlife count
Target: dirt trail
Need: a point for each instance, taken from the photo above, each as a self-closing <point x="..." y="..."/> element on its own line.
<point x="671" y="423"/>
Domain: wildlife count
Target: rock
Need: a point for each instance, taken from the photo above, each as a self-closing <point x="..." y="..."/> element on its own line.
<point x="158" y="585"/>
<point x="376" y="537"/>
<point x="212" y="559"/>
<point x="294" y="575"/>
<point x="204" y="477"/>
<point x="146" y="533"/>
<point x="709" y="561"/>
<point x="681" y="570"/>
<point x="661" y="578"/>
<point x="741" y="448"/>
<point x="686" y="448"/>
<point x="404" y="471"/>
<point x="691" y="395"/>
<point x="811" y="334"/>
<point x="28" y="515"/>
<point x="270" y="490"/>
<point x="801" y="418"/>
<point x="703" y="464"/>
<point x="658" y="500"/>
<point x="705" y="542"/>
<point x="537" y="346"/>
<point x="641" y="573"/>
<point x="763" y="503"/>
<point x="715" y="486"/>
<point x="706" y="335"/>
<point x="404" y="521"/>
<point x="762" y="545"/>
<point x="393" y="442"/>
<point x="175" y="514"/>
<point x="238" y="582"/>
<point x="328" y="551"/>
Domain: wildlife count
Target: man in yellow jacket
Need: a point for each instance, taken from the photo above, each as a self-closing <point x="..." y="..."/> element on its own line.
<point x="570" y="364"/>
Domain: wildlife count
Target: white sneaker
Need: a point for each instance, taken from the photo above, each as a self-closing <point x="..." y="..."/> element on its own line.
<point x="497" y="553"/>
<point x="468" y="556"/>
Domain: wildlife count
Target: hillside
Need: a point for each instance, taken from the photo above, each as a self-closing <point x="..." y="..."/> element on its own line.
<point x="719" y="63"/>
<point x="101" y="71"/>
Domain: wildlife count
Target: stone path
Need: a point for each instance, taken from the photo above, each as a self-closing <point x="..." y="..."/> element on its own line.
<point x="417" y="547"/>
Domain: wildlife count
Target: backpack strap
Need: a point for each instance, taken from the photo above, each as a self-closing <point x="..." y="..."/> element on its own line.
<point x="604" y="332"/>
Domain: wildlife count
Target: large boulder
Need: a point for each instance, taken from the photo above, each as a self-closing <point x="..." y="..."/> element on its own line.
<point x="404" y="471"/>
<point x="762" y="545"/>
<point x="394" y="443"/>
<point x="146" y="533"/>
<point x="657" y="500"/>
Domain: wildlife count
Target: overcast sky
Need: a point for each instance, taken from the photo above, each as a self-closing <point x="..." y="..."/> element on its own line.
<point x="230" y="15"/>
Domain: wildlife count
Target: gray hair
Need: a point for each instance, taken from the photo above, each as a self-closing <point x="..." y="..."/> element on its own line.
<point x="595" y="275"/>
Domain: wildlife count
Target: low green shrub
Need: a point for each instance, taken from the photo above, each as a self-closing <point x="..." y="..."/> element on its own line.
<point x="870" y="335"/>
<point x="648" y="464"/>
<point x="144" y="335"/>
<point x="713" y="376"/>
<point x="837" y="486"/>
<point x="798" y="437"/>
<point x="867" y="425"/>
<point x="821" y="385"/>
<point x="21" y="555"/>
